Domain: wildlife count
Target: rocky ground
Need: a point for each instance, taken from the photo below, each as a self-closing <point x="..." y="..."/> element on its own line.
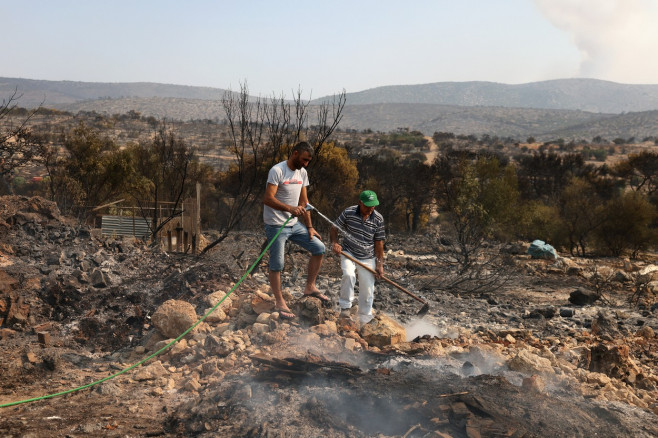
<point x="566" y="347"/>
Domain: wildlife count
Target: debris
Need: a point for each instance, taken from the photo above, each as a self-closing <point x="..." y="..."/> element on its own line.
<point x="44" y="338"/>
<point x="235" y="375"/>
<point x="454" y="394"/>
<point x="541" y="250"/>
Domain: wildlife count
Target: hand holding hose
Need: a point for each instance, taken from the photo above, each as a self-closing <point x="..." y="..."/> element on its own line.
<point x="296" y="211"/>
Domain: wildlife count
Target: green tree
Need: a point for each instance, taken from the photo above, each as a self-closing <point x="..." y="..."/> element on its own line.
<point x="382" y="172"/>
<point x="639" y="171"/>
<point x="544" y="175"/>
<point x="499" y="195"/>
<point x="18" y="145"/>
<point x="403" y="186"/>
<point x="458" y="194"/>
<point x="627" y="224"/>
<point x="260" y="134"/>
<point x="417" y="196"/>
<point x="162" y="170"/>
<point x="91" y="171"/>
<point x="537" y="220"/>
<point x="333" y="182"/>
<point x="581" y="211"/>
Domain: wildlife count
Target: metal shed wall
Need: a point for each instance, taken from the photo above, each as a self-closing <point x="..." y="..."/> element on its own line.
<point x="125" y="226"/>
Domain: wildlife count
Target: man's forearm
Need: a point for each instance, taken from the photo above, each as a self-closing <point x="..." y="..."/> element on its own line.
<point x="333" y="235"/>
<point x="379" y="252"/>
<point x="307" y="219"/>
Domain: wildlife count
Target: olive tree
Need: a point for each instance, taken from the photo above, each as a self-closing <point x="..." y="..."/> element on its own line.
<point x="162" y="170"/>
<point x="18" y="146"/>
<point x="90" y="170"/>
<point x="261" y="132"/>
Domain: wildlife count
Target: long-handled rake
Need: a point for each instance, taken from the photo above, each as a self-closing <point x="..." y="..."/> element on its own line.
<point x="423" y="310"/>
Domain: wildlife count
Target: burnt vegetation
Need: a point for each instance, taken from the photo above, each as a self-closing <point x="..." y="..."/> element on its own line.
<point x="458" y="209"/>
<point x="588" y="197"/>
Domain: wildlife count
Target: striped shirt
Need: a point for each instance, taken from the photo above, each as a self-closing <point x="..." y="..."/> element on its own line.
<point x="361" y="234"/>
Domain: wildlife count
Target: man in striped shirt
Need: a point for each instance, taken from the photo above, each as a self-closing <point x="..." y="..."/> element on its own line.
<point x="363" y="234"/>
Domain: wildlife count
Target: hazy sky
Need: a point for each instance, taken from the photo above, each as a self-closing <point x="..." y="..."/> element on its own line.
<point x="324" y="46"/>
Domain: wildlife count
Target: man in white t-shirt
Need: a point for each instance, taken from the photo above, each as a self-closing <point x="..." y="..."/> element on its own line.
<point x="285" y="196"/>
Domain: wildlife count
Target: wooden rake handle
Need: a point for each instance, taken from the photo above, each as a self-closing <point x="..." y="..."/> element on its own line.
<point x="391" y="282"/>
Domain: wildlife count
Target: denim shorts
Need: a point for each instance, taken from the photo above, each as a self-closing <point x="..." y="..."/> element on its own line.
<point x="297" y="234"/>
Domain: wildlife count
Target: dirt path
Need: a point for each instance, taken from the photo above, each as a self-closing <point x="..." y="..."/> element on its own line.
<point x="434" y="150"/>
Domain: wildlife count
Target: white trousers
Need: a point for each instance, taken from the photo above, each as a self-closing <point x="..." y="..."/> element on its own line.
<point x="366" y="287"/>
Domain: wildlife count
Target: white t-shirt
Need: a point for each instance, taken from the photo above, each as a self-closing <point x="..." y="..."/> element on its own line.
<point x="289" y="186"/>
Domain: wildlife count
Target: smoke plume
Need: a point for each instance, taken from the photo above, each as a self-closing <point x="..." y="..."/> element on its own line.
<point x="617" y="39"/>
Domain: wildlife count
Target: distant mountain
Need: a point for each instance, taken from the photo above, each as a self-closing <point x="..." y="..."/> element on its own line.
<point x="503" y="122"/>
<point x="172" y="108"/>
<point x="591" y="95"/>
<point x="52" y="93"/>
<point x="544" y="110"/>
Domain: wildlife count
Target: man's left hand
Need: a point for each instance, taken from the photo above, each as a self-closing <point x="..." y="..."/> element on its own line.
<point x="312" y="232"/>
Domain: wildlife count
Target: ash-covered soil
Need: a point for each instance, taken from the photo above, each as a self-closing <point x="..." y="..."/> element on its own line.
<point x="514" y="359"/>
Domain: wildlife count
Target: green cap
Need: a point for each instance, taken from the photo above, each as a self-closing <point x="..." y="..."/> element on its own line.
<point x="369" y="198"/>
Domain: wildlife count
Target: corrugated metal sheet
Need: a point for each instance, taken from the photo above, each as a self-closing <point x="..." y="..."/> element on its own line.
<point x="125" y="226"/>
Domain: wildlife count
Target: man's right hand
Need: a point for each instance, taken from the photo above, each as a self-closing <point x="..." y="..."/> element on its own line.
<point x="297" y="211"/>
<point x="336" y="247"/>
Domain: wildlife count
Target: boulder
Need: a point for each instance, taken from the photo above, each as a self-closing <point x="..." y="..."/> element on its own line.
<point x="260" y="328"/>
<point x="565" y="312"/>
<point x="613" y="361"/>
<point x="216" y="316"/>
<point x="262" y="302"/>
<point x="530" y="363"/>
<point x="514" y="248"/>
<point x="18" y="312"/>
<point x="605" y="324"/>
<point x="174" y="317"/>
<point x="599" y="379"/>
<point x="99" y="278"/>
<point x="542" y="312"/>
<point x="150" y="372"/>
<point x="7" y="282"/>
<point x="581" y="297"/>
<point x="648" y="274"/>
<point x="646" y="332"/>
<point x="6" y="333"/>
<point x="310" y="310"/>
<point x="622" y="277"/>
<point x="382" y="331"/>
<point x="533" y="383"/>
<point x="218" y="296"/>
<point x="565" y="264"/>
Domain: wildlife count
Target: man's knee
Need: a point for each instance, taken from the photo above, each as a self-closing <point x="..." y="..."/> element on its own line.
<point x="317" y="248"/>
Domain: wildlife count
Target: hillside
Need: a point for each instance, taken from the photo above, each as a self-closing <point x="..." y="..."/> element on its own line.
<point x="573" y="94"/>
<point x="591" y="95"/>
<point x="505" y="122"/>
<point x="540" y="356"/>
<point x="520" y="123"/>
<point x="53" y="93"/>
<point x="544" y="110"/>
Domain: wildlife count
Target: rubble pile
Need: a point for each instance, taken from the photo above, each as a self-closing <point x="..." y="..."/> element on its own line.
<point x="548" y="355"/>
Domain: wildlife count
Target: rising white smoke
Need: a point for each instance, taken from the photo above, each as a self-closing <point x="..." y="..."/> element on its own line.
<point x="617" y="39"/>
